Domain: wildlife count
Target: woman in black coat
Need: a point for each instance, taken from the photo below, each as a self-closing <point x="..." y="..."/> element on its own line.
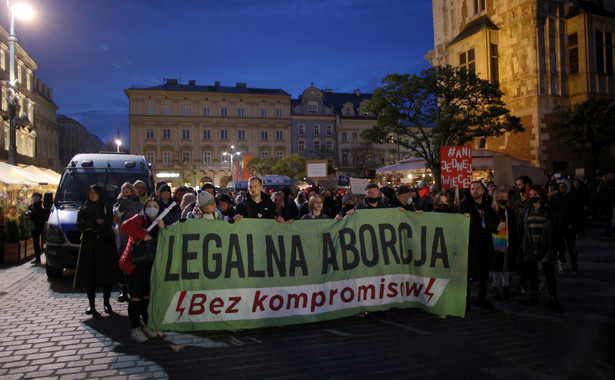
<point x="97" y="262"/>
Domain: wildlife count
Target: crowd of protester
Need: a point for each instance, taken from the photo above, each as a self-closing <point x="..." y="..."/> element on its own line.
<point x="513" y="231"/>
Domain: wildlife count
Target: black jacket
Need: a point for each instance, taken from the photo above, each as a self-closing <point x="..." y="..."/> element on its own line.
<point x="263" y="209"/>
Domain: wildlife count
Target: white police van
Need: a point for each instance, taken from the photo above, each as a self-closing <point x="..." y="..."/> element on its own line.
<point x="276" y="182"/>
<point x="107" y="169"/>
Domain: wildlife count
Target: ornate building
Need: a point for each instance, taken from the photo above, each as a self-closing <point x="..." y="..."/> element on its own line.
<point x="188" y="131"/>
<point x="327" y="125"/>
<point x="544" y="54"/>
<point x="75" y="138"/>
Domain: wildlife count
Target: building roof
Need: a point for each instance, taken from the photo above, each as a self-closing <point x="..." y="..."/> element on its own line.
<point x="338" y="99"/>
<point x="474" y="27"/>
<point x="581" y="7"/>
<point x="240" y="88"/>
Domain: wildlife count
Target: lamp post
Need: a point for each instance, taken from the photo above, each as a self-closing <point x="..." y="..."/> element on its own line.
<point x="232" y="154"/>
<point x="23" y="11"/>
<point x="118" y="142"/>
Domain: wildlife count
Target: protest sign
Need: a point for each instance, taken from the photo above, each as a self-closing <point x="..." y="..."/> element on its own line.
<point x="212" y="275"/>
<point x="456" y="166"/>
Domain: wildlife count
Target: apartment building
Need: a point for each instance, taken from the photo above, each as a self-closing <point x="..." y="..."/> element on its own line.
<point x="188" y="132"/>
<point x="544" y="54"/>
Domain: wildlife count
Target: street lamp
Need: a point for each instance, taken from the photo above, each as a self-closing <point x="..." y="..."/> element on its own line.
<point x="25" y="12"/>
<point x="232" y="154"/>
<point x="118" y="142"/>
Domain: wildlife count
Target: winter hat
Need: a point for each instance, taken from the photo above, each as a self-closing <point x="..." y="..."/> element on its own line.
<point x="565" y="182"/>
<point x="205" y="199"/>
<point x="388" y="192"/>
<point x="420" y="184"/>
<point x="403" y="190"/>
<point x="349" y="197"/>
<point x="371" y="186"/>
<point x="164" y="188"/>
<point x="139" y="183"/>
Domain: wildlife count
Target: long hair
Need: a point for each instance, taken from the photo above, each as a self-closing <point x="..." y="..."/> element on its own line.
<point x="496" y="197"/>
<point x="98" y="190"/>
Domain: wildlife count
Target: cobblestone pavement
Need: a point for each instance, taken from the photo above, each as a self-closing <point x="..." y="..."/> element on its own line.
<point x="45" y="334"/>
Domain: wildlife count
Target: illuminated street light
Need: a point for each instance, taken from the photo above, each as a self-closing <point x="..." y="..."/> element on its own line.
<point x="25" y="12"/>
<point x="232" y="154"/>
<point x="118" y="142"/>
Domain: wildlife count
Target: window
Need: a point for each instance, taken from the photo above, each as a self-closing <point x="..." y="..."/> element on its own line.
<point x="223" y="111"/>
<point x="225" y="159"/>
<point x="355" y="137"/>
<point x="316" y="145"/>
<point x="344" y="137"/>
<point x="573" y="53"/>
<point x="264" y="113"/>
<point x="186" y="157"/>
<point x="479" y="6"/>
<point x="301" y="145"/>
<point x="279" y="154"/>
<point x="206" y="134"/>
<point x="149" y="109"/>
<point x="301" y="129"/>
<point x="206" y="111"/>
<point x="166" y="133"/>
<point x="317" y="129"/>
<point x="166" y="110"/>
<point x="150" y="157"/>
<point x="329" y="130"/>
<point x="167" y="158"/>
<point x="312" y="107"/>
<point x="241" y="134"/>
<point x="206" y="158"/>
<point x="279" y="135"/>
<point x="264" y="135"/>
<point x="185" y="134"/>
<point x="185" y="110"/>
<point x="265" y="154"/>
<point x="241" y="112"/>
<point x="604" y="52"/>
<point x="494" y="64"/>
<point x="329" y="146"/>
<point x="344" y="158"/>
<point x="466" y="61"/>
<point x="149" y="133"/>
<point x="224" y="134"/>
<point x="278" y="113"/>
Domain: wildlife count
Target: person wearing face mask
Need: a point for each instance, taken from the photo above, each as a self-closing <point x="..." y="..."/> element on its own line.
<point x="504" y="246"/>
<point x="349" y="202"/>
<point x="372" y="198"/>
<point x="403" y="198"/>
<point x="538" y="245"/>
<point x="36" y="214"/>
<point x="443" y="203"/>
<point x="330" y="206"/>
<point x="138" y="275"/>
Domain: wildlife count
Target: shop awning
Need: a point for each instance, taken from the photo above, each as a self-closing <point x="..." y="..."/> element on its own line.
<point x="407" y="165"/>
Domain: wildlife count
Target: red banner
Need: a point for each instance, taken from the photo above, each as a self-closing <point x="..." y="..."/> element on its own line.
<point x="456" y="165"/>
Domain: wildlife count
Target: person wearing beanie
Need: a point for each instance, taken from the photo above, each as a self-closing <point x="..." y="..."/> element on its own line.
<point x="387" y="194"/>
<point x="404" y="198"/>
<point x="165" y="200"/>
<point x="349" y="202"/>
<point x="141" y="190"/>
<point x="372" y="198"/>
<point x="205" y="207"/>
<point x="567" y="211"/>
<point x="225" y="206"/>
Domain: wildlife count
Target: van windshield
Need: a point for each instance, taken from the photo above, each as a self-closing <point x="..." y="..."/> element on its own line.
<point x="75" y="182"/>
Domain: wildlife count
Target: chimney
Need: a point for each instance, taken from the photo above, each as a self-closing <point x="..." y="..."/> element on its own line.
<point x="240" y="85"/>
<point x="171" y="81"/>
<point x="357" y="92"/>
<point x="217" y="83"/>
<point x="192" y="82"/>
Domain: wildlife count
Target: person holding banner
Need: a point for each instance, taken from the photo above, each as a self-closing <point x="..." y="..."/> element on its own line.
<point x="315" y="205"/>
<point x="483" y="222"/>
<point x="205" y="208"/>
<point x="138" y="228"/>
<point x="372" y="198"/>
<point x="538" y="245"/>
<point x="257" y="204"/>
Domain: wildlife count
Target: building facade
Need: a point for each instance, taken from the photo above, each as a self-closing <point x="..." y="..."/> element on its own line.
<point x="188" y="132"/>
<point x="75" y="138"/>
<point x="45" y="120"/>
<point x="544" y="54"/>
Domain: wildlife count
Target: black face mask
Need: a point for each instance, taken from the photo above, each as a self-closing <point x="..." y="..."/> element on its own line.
<point x="502" y="202"/>
<point x="348" y="207"/>
<point x="372" y="200"/>
<point x="445" y="207"/>
<point x="534" y="199"/>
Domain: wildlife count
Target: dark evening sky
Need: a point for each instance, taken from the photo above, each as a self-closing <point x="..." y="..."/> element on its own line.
<point x="89" y="51"/>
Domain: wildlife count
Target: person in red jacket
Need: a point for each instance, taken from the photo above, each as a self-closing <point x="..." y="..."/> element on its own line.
<point x="138" y="275"/>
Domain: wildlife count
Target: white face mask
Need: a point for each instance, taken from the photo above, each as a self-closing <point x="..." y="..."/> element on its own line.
<point x="152" y="212"/>
<point x="409" y="201"/>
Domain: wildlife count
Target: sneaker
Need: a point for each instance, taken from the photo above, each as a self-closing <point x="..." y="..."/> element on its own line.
<point x="149" y="332"/>
<point x="137" y="335"/>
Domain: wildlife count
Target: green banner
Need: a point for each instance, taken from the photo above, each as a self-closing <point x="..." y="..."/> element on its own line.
<point x="212" y="275"/>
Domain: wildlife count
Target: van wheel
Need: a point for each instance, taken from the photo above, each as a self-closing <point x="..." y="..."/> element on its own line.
<point x="53" y="273"/>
